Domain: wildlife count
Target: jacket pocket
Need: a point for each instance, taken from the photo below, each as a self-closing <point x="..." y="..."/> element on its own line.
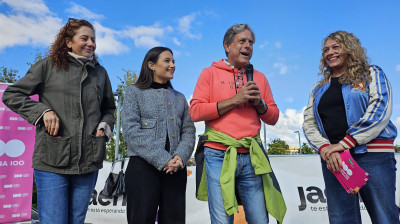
<point x="148" y="127"/>
<point x="209" y="152"/>
<point x="99" y="148"/>
<point x="55" y="151"/>
<point x="148" y="123"/>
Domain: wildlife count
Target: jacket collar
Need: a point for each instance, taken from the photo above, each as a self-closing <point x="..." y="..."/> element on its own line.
<point x="79" y="60"/>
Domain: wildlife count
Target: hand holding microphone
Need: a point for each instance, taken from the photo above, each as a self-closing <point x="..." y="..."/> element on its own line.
<point x="249" y="75"/>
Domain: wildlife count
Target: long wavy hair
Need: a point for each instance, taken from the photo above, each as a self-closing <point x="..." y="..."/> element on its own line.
<point x="58" y="52"/>
<point x="146" y="77"/>
<point x="357" y="61"/>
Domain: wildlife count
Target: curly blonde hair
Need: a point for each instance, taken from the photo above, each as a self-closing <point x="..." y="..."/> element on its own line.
<point x="357" y="61"/>
<point x="58" y="52"/>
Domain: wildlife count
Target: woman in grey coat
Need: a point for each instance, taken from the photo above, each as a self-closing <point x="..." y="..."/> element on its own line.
<point x="160" y="135"/>
<point x="74" y="117"/>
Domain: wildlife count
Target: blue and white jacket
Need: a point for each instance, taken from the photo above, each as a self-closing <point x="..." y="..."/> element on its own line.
<point x="368" y="109"/>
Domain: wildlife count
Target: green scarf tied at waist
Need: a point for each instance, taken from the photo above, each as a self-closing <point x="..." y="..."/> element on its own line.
<point x="275" y="204"/>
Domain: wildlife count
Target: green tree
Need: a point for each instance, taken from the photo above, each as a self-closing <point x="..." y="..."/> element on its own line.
<point x="278" y="146"/>
<point x="8" y="75"/>
<point x="128" y="79"/>
<point x="397" y="148"/>
<point x="306" y="149"/>
<point x="39" y="56"/>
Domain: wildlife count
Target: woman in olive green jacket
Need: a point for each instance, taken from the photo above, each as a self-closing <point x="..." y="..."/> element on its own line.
<point x="74" y="117"/>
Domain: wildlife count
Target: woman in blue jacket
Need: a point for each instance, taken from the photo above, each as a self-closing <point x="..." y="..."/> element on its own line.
<point x="350" y="108"/>
<point x="160" y="135"/>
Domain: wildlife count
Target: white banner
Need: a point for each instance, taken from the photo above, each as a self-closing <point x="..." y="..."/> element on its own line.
<point x="300" y="178"/>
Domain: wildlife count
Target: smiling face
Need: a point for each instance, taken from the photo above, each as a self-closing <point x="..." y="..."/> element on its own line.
<point x="335" y="57"/>
<point x="83" y="43"/>
<point x="164" y="68"/>
<point x="241" y="49"/>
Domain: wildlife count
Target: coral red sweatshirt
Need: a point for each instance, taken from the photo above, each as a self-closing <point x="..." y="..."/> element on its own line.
<point x="217" y="83"/>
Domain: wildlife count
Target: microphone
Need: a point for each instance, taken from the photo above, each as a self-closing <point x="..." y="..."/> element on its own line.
<point x="249" y="75"/>
<point x="249" y="72"/>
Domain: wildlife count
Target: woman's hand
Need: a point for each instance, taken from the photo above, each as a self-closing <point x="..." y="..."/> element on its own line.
<point x="334" y="162"/>
<point x="327" y="151"/>
<point x="51" y="122"/>
<point x="173" y="165"/>
<point x="100" y="132"/>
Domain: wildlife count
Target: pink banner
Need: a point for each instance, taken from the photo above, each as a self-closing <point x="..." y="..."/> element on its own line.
<point x="17" y="139"/>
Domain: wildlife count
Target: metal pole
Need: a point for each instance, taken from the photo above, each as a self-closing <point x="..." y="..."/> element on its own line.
<point x="118" y="94"/>
<point x="299" y="140"/>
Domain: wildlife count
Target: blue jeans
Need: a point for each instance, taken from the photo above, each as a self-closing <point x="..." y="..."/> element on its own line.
<point x="62" y="198"/>
<point x="248" y="185"/>
<point x="378" y="194"/>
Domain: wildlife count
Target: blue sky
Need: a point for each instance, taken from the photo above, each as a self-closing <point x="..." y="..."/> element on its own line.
<point x="287" y="47"/>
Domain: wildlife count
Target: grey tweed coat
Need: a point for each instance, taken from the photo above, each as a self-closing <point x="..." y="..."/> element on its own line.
<point x="148" y="116"/>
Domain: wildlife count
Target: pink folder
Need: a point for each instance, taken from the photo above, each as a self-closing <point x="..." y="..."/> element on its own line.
<point x="351" y="176"/>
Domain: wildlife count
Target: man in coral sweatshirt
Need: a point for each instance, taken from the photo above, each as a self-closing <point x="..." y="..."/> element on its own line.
<point x="232" y="107"/>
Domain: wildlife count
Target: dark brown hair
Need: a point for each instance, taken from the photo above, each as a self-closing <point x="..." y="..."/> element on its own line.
<point x="146" y="77"/>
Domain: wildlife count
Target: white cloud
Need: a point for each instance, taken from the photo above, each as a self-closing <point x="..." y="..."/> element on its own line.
<point x="106" y="41"/>
<point x="278" y="44"/>
<point x="146" y="41"/>
<point x="185" y="25"/>
<point x="289" y="122"/>
<point x="145" y="36"/>
<point x="397" y="123"/>
<point x="169" y="29"/>
<point x="289" y="99"/>
<point x="398" y="68"/>
<point x="283" y="69"/>
<point x="176" y="41"/>
<point x="138" y="31"/>
<point x="36" y="7"/>
<point x="263" y="45"/>
<point x="82" y="12"/>
<point x="176" y="53"/>
<point x="32" y="24"/>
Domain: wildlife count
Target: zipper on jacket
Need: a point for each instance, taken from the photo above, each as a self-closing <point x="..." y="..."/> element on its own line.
<point x="81" y="118"/>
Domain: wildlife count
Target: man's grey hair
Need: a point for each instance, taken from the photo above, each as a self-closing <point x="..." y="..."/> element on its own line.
<point x="235" y="29"/>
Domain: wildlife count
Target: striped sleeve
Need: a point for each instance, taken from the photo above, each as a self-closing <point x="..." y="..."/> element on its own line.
<point x="310" y="127"/>
<point x="378" y="112"/>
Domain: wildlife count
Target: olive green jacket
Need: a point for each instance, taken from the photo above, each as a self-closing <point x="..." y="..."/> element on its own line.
<point x="82" y="97"/>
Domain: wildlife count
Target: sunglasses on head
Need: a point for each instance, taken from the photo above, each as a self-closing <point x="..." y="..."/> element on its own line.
<point x="67" y="25"/>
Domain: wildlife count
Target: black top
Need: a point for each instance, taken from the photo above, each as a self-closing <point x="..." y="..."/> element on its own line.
<point x="332" y="112"/>
<point x="156" y="85"/>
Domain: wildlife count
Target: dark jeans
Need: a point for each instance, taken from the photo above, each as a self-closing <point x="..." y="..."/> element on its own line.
<point x="148" y="189"/>
<point x="378" y="194"/>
